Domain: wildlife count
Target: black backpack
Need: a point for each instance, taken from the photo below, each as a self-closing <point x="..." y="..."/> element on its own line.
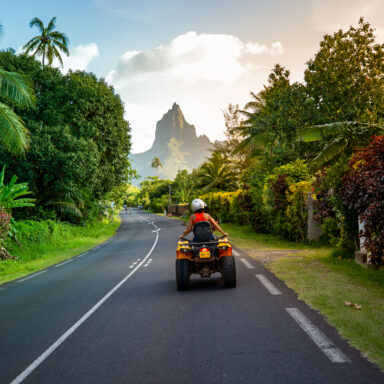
<point x="202" y="231"/>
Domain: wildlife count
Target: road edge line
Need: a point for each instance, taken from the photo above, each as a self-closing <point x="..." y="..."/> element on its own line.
<point x="318" y="337"/>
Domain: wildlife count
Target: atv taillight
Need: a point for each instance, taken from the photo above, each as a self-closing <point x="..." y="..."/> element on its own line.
<point x="203" y="249"/>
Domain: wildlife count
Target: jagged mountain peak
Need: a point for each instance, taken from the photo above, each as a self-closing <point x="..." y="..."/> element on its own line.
<point x="176" y="144"/>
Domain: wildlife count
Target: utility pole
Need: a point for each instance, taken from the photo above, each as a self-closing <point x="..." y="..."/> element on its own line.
<point x="170" y="194"/>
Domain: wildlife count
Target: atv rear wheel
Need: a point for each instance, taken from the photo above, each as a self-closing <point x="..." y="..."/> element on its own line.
<point x="183" y="273"/>
<point x="228" y="269"/>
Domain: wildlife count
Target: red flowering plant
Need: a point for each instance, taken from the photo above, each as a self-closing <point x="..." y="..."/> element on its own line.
<point x="279" y="187"/>
<point x="5" y="219"/>
<point x="363" y="192"/>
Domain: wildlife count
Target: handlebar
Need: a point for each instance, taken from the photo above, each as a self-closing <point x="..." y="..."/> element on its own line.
<point x="203" y="242"/>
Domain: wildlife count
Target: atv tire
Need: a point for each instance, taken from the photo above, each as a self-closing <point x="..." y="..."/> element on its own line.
<point x="183" y="273"/>
<point x="228" y="271"/>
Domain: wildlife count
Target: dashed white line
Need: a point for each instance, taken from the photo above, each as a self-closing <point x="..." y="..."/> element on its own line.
<point x="71" y="330"/>
<point x="148" y="262"/>
<point x="83" y="254"/>
<point x="235" y="252"/>
<point x="65" y="262"/>
<point x="247" y="264"/>
<point x="334" y="354"/>
<point x="268" y="285"/>
<point x="31" y="276"/>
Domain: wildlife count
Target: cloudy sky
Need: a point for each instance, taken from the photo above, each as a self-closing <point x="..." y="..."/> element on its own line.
<point x="201" y="54"/>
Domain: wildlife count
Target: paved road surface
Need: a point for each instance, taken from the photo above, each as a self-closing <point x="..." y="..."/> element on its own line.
<point x="113" y="315"/>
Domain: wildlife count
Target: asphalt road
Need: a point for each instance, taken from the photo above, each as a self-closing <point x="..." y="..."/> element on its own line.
<point x="113" y="315"/>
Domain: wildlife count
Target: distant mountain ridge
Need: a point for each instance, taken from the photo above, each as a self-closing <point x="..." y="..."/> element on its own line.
<point x="176" y="145"/>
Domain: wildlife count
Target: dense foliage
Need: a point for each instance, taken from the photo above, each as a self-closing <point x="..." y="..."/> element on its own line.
<point x="79" y="140"/>
<point x="363" y="191"/>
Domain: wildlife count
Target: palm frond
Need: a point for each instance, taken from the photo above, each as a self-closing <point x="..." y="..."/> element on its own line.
<point x="14" y="87"/>
<point x="67" y="207"/>
<point x="51" y="25"/>
<point x="36" y="22"/>
<point x="330" y="152"/>
<point x="56" y="54"/>
<point x="13" y="133"/>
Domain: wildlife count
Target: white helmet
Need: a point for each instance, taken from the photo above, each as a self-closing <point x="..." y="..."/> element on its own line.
<point x="197" y="204"/>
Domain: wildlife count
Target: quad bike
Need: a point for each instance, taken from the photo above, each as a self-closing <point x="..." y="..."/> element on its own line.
<point x="205" y="255"/>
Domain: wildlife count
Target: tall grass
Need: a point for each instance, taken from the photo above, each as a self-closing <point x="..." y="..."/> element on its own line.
<point x="40" y="244"/>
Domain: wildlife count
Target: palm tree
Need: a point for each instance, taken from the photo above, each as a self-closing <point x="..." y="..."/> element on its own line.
<point x="216" y="174"/>
<point x="156" y="163"/>
<point x="340" y="137"/>
<point x="49" y="43"/>
<point x="14" y="135"/>
<point x="253" y="130"/>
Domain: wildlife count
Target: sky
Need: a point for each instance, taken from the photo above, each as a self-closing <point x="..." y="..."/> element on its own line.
<point x="202" y="55"/>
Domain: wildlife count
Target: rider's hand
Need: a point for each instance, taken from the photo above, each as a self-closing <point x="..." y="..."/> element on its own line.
<point x="225" y="234"/>
<point x="181" y="236"/>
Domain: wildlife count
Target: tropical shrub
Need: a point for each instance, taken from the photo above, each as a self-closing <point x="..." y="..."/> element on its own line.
<point x="363" y="192"/>
<point x="297" y="210"/>
<point x="338" y="223"/>
<point x="5" y="219"/>
<point x="11" y="193"/>
<point x="230" y="207"/>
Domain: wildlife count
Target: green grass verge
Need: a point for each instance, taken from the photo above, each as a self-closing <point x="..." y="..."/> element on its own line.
<point x="65" y="242"/>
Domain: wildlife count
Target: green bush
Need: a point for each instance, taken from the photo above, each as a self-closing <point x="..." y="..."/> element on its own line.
<point x="31" y="236"/>
<point x="230" y="207"/>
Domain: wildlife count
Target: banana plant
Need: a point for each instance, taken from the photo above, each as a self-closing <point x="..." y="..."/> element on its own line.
<point x="11" y="194"/>
<point x="339" y="137"/>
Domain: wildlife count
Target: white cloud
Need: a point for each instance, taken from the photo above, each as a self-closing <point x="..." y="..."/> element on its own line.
<point x="330" y="16"/>
<point x="192" y="57"/>
<point x="79" y="57"/>
<point x="201" y="72"/>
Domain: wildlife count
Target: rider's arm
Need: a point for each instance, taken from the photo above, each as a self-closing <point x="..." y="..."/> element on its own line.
<point x="189" y="227"/>
<point x="215" y="225"/>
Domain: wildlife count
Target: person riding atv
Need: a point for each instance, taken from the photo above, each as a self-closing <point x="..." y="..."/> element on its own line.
<point x="205" y="254"/>
<point x="198" y="207"/>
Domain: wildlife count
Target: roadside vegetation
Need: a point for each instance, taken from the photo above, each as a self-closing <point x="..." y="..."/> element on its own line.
<point x="44" y="243"/>
<point x="64" y="146"/>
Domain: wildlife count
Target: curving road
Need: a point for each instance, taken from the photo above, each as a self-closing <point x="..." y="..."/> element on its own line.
<point x="113" y="315"/>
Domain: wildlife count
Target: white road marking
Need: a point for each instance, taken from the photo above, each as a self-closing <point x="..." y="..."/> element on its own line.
<point x="247" y="264"/>
<point x="148" y="262"/>
<point x="334" y="354"/>
<point x="268" y="285"/>
<point x="235" y="252"/>
<point x="81" y="255"/>
<point x="156" y="230"/>
<point x="31" y="276"/>
<point x="71" y="330"/>
<point x="65" y="262"/>
<point x="138" y="259"/>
